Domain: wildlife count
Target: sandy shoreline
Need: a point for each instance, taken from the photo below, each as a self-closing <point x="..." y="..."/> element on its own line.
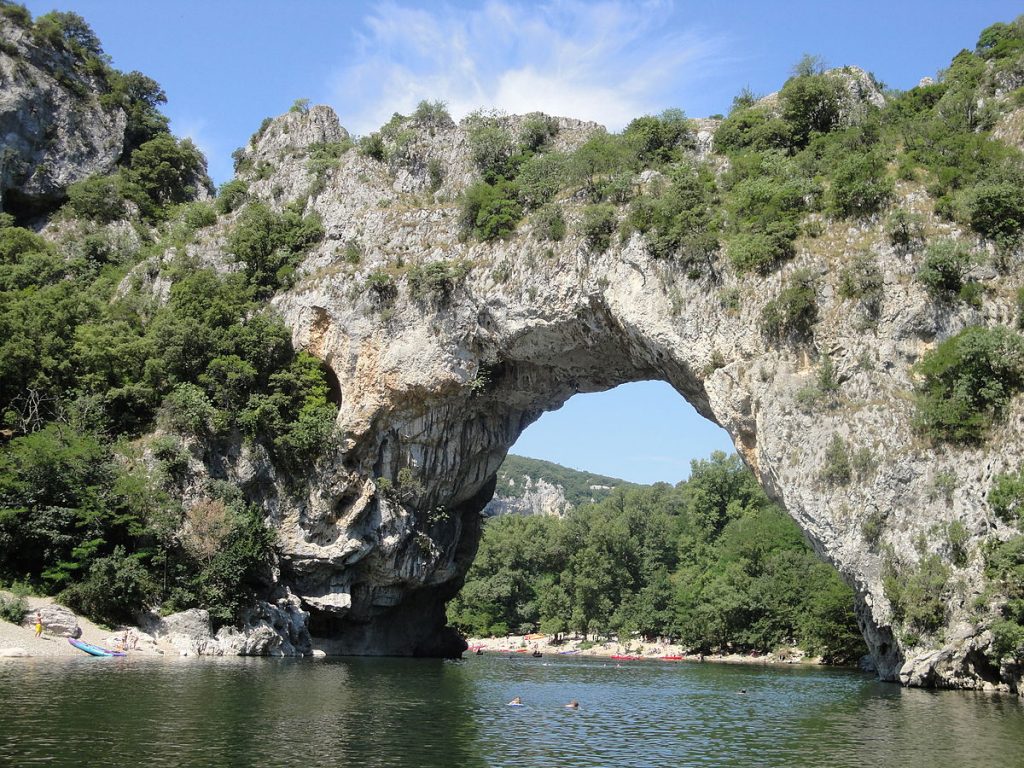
<point x="20" y="641"/>
<point x="524" y="645"/>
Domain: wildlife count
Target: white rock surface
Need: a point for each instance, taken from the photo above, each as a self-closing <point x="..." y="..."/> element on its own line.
<point x="50" y="135"/>
<point x="441" y="385"/>
<point x="539" y="497"/>
<point x="267" y="630"/>
<point x="56" y="619"/>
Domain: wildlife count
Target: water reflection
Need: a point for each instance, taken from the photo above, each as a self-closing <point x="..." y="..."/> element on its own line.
<point x="403" y="712"/>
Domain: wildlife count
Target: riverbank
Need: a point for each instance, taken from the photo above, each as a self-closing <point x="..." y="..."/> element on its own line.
<point x="547" y="645"/>
<point x="20" y="641"/>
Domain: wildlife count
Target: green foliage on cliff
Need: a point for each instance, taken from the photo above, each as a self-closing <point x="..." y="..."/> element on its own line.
<point x="70" y="36"/>
<point x="523" y="173"/>
<point x="820" y="146"/>
<point x="270" y="245"/>
<point x="680" y="220"/>
<point x="1007" y="496"/>
<point x="918" y="594"/>
<point x="90" y="360"/>
<point x="437" y="279"/>
<point x="655" y="140"/>
<point x="597" y="226"/>
<point x="1004" y="569"/>
<point x="765" y="198"/>
<point x="967" y="380"/>
<point x="160" y="175"/>
<point x="944" y="269"/>
<point x="790" y="316"/>
<point x="490" y="211"/>
<point x="710" y="563"/>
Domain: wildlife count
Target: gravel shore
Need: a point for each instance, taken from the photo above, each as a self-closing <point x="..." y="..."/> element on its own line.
<point x="21" y="641"/>
<point x="527" y="644"/>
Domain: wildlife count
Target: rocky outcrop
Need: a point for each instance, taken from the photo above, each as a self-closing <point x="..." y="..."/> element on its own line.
<point x="266" y="629"/>
<point x="437" y="377"/>
<point x="56" y="620"/>
<point x="438" y="384"/>
<point x="538" y="497"/>
<point x="53" y="129"/>
<point x="189" y="631"/>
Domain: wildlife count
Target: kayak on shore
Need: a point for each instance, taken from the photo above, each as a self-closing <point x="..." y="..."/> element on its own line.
<point x="93" y="650"/>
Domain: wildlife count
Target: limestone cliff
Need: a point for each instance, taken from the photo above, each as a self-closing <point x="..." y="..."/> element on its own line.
<point x="538" y="497"/>
<point x="439" y="383"/>
<point x="53" y="129"/>
<point x="535" y="487"/>
<point x="443" y="349"/>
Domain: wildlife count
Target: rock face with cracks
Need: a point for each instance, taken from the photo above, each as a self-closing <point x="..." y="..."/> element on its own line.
<point x="442" y="350"/>
<point x="53" y="129"/>
<point x="437" y="378"/>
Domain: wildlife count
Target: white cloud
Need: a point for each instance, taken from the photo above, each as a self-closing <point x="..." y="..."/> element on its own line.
<point x="608" y="62"/>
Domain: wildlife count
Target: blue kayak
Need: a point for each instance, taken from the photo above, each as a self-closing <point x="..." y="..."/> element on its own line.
<point x="93" y="650"/>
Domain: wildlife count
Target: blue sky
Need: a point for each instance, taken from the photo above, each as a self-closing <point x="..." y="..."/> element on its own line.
<point x="227" y="64"/>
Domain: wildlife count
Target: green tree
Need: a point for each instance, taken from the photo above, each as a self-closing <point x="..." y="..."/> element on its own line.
<point x="657" y="140"/>
<point x="163" y="172"/>
<point x="490" y="211"/>
<point x="967" y="380"/>
<point x="792" y="314"/>
<point x="811" y="104"/>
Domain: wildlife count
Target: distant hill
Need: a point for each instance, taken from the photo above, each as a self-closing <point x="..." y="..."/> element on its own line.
<point x="534" y="487"/>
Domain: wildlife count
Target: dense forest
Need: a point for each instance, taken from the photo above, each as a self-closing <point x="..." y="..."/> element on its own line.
<point x="97" y="373"/>
<point x="710" y="563"/>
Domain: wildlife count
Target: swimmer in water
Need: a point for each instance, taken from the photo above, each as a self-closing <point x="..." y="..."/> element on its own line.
<point x="573" y="705"/>
<point x="516" y="702"/>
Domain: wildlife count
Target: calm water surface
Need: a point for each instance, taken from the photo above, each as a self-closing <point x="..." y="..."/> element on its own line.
<point x="426" y="713"/>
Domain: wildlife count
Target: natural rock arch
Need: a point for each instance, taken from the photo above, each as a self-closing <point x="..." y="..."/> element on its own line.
<point x="438" y="379"/>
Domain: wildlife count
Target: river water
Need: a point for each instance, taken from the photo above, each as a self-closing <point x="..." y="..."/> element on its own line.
<point x="426" y="713"/>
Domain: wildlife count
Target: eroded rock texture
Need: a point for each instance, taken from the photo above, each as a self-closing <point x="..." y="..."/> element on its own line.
<point x="53" y="129"/>
<point x="437" y="380"/>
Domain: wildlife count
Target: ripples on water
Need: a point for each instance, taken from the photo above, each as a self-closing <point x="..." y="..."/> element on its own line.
<point x="384" y="713"/>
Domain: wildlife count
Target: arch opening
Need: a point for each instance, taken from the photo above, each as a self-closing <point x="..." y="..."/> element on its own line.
<point x="642" y="432"/>
<point x="701" y="528"/>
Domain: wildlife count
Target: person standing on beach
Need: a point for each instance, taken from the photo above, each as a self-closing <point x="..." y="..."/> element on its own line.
<point x="39" y="625"/>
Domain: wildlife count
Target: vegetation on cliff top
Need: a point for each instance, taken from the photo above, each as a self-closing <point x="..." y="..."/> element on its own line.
<point x="821" y="146"/>
<point x="156" y="171"/>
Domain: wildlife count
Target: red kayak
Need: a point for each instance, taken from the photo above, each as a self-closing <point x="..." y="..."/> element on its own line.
<point x="671" y="658"/>
<point x="620" y="657"/>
